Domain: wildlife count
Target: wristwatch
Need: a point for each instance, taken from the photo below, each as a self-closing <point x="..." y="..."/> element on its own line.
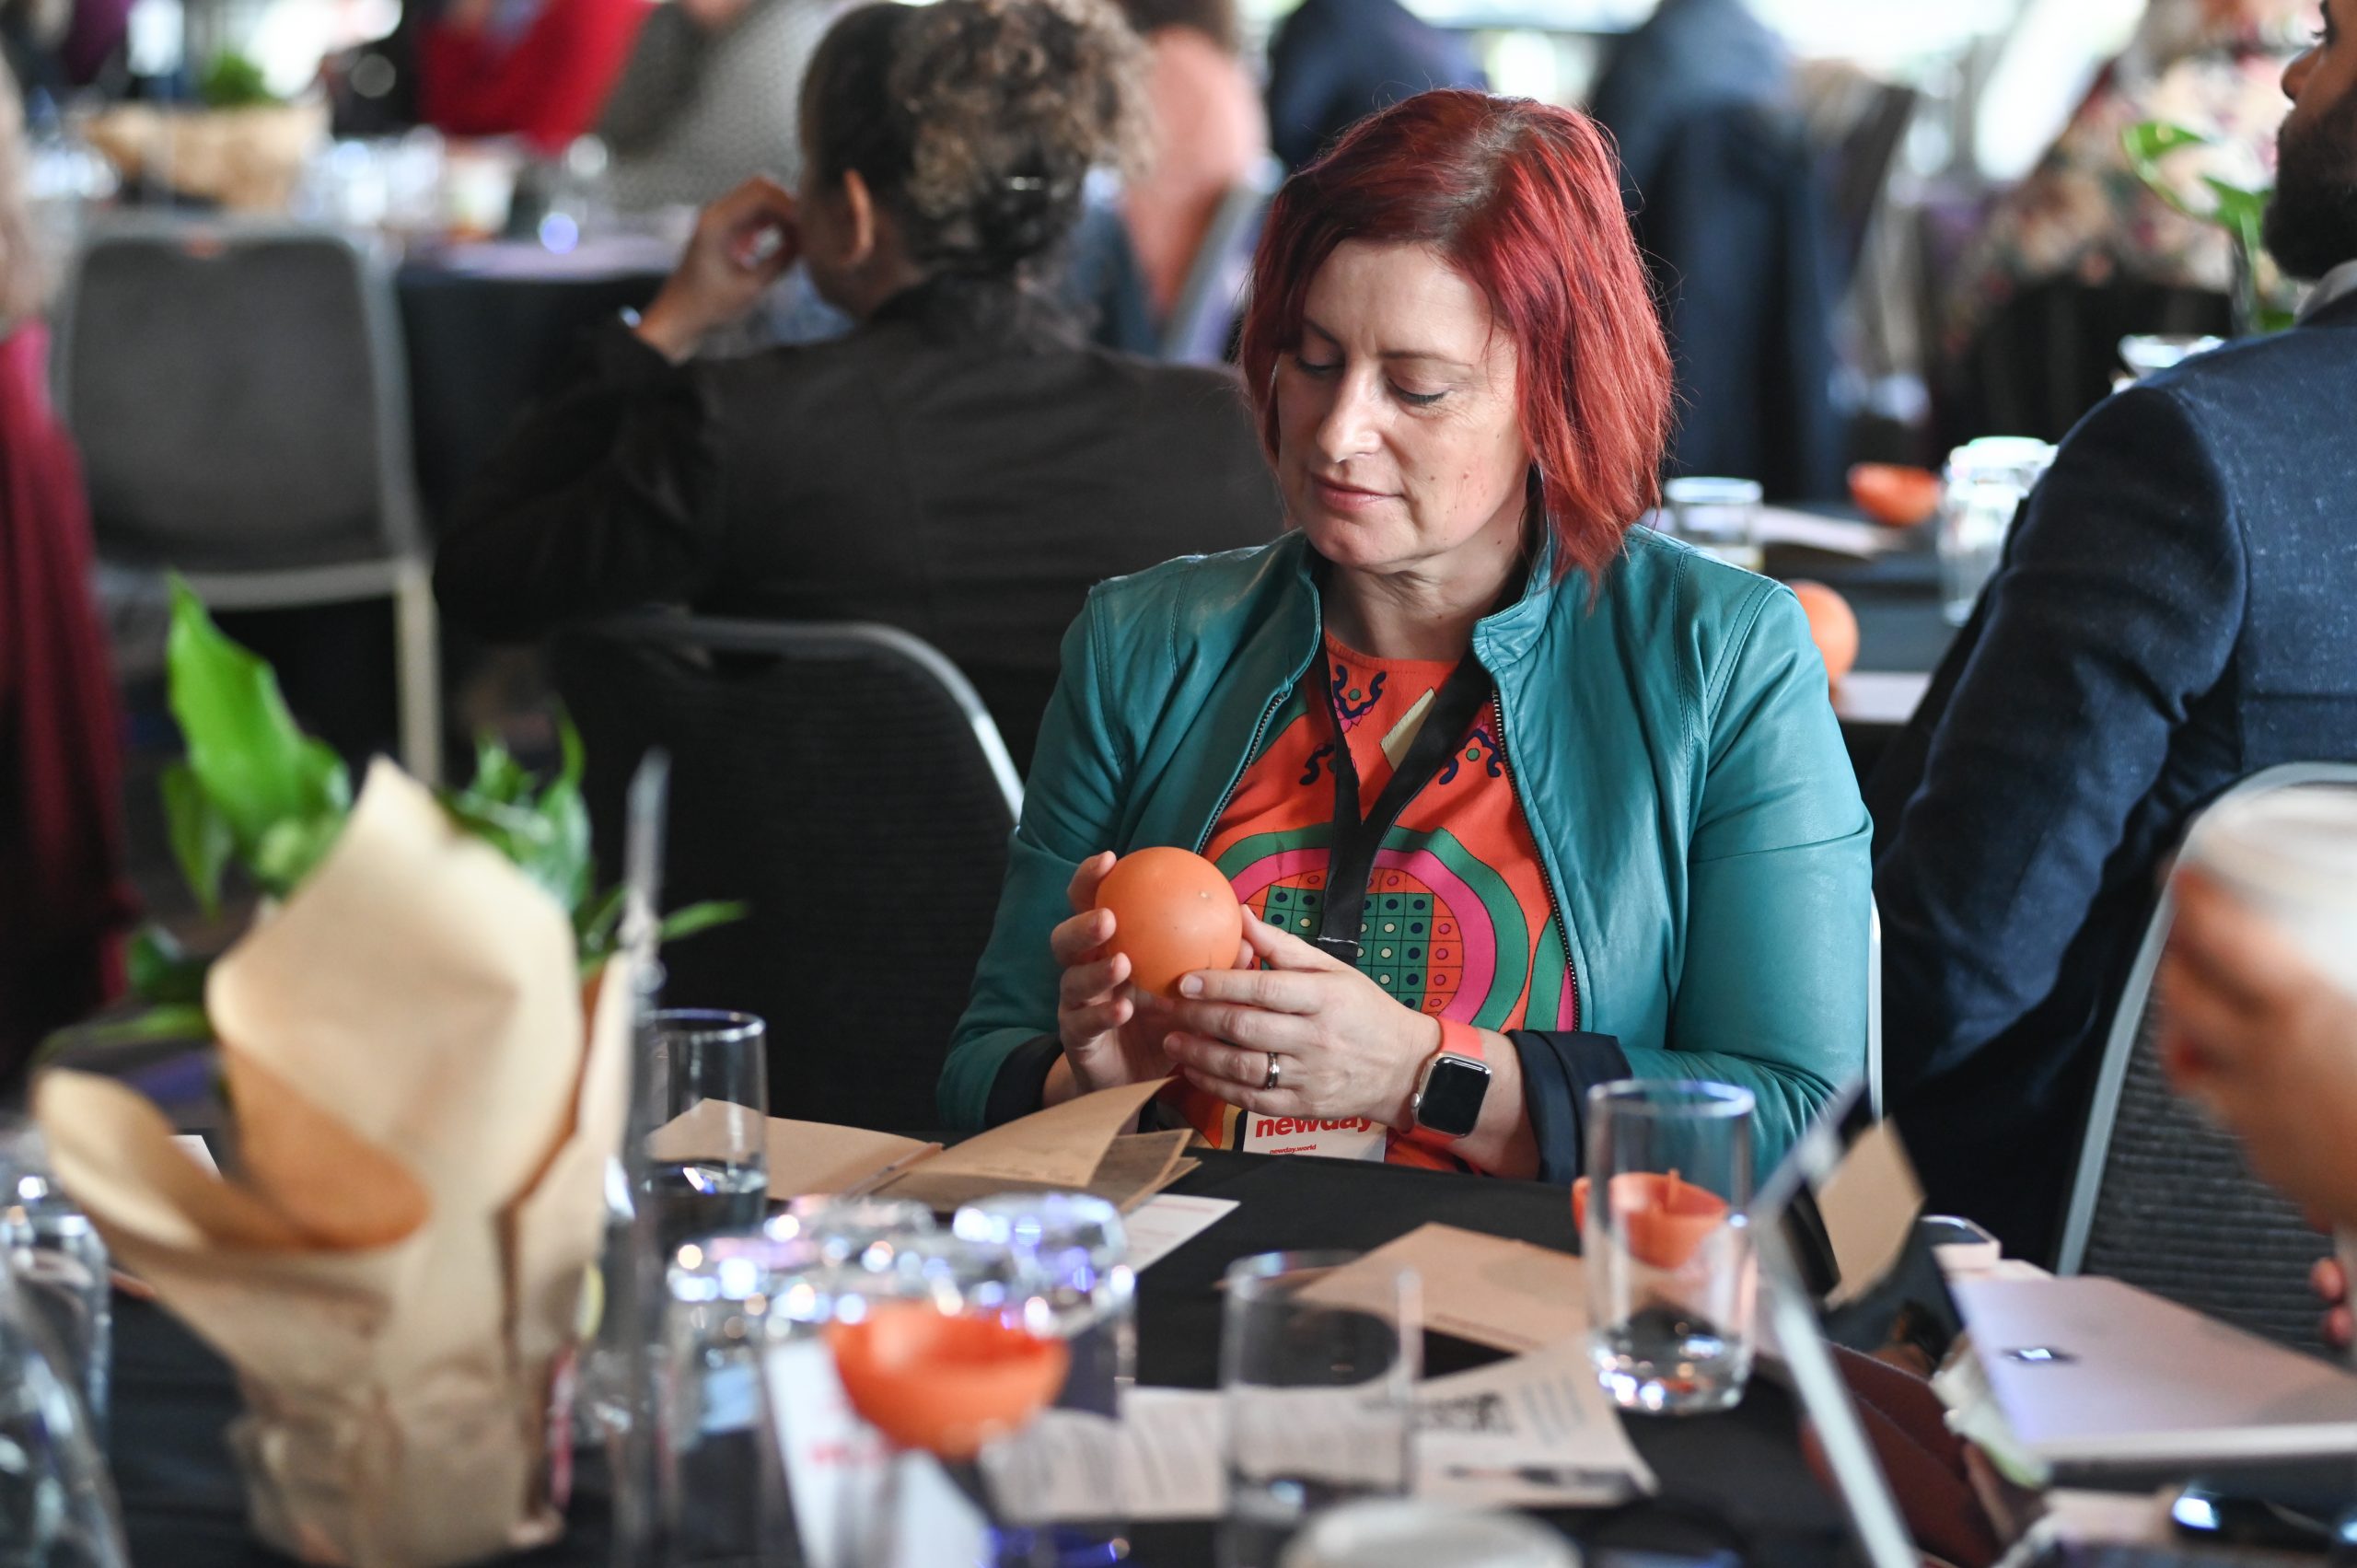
<point x="1448" y="1096"/>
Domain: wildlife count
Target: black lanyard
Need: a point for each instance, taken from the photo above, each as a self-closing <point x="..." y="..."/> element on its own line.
<point x="1351" y="858"/>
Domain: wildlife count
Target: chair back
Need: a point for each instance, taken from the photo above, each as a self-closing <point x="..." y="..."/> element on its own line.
<point x="1203" y="318"/>
<point x="2165" y="1199"/>
<point x="846" y="784"/>
<point x="238" y="395"/>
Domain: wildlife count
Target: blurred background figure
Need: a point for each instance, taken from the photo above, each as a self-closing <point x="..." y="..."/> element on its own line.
<point x="1687" y="59"/>
<point x="64" y="897"/>
<point x="1729" y="195"/>
<point x="539" y="69"/>
<point x="2267" y="1043"/>
<point x="1335" y="61"/>
<point x="2082" y="253"/>
<point x="710" y="98"/>
<point x="1206" y="130"/>
<point x="962" y="465"/>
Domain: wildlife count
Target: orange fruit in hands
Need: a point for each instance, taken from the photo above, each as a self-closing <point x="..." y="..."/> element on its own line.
<point x="1173" y="913"/>
<point x="1832" y="626"/>
<point x="944" y="1384"/>
<point x="1894" y="495"/>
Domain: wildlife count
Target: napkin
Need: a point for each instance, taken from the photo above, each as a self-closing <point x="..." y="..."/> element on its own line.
<point x="395" y="1268"/>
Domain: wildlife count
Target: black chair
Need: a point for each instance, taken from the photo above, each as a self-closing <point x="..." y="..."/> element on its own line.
<point x="2050" y="354"/>
<point x="843" y="781"/>
<point x="236" y="390"/>
<point x="2163" y="1199"/>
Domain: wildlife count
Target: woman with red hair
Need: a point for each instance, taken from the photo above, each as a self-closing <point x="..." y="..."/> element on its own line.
<point x="1525" y="798"/>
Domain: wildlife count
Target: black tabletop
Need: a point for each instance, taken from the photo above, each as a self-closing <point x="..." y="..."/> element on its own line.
<point x="1896" y="596"/>
<point x="1731" y="1485"/>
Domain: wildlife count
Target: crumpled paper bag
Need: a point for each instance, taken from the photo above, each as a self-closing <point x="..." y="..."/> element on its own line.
<point x="424" y="1127"/>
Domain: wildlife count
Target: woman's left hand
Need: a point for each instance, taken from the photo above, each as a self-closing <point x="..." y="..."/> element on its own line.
<point x="1343" y="1046"/>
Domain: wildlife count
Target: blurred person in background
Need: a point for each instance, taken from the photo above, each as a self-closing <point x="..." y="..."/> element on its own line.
<point x="711" y="96"/>
<point x="65" y="895"/>
<point x="2213" y="67"/>
<point x="1206" y="130"/>
<point x="2171" y="615"/>
<point x="2267" y="1043"/>
<point x="539" y="69"/>
<point x="1688" y="58"/>
<point x="962" y="465"/>
<point x="1335" y="61"/>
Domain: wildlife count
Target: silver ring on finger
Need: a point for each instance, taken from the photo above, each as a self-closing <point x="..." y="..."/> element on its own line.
<point x="1275" y="1067"/>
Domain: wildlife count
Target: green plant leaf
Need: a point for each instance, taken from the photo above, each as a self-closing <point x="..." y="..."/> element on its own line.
<point x="173" y="1021"/>
<point x="161" y="971"/>
<point x="290" y="849"/>
<point x="680" y="924"/>
<point x="596" y="921"/>
<point x="255" y="767"/>
<point x="203" y="841"/>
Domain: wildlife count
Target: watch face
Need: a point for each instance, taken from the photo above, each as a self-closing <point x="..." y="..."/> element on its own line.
<point x="1453" y="1090"/>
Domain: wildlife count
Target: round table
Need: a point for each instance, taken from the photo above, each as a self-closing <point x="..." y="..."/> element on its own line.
<point x="1735" y="1487"/>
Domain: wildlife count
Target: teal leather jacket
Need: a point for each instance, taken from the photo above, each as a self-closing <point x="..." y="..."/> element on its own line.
<point x="1672" y="746"/>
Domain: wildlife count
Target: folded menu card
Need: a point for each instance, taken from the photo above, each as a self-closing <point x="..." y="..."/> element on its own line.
<point x="1077" y="1146"/>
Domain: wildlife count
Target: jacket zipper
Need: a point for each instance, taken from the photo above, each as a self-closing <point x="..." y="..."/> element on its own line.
<point x="1251" y="750"/>
<point x="1554" y="905"/>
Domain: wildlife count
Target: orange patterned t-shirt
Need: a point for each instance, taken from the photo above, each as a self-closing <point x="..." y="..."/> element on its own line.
<point x="1457" y="920"/>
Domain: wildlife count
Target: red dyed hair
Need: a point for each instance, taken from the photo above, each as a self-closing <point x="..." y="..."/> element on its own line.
<point x="1523" y="200"/>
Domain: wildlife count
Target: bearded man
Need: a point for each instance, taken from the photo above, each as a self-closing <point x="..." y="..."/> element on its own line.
<point x="2177" y="610"/>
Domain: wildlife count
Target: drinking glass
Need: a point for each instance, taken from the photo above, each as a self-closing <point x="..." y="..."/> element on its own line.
<point x="1720" y="516"/>
<point x="708" y="1165"/>
<point x="1319" y="1393"/>
<point x="721" y="1474"/>
<point x="844" y="1229"/>
<point x="1987" y="480"/>
<point x="1076" y="1258"/>
<point x="1671" y="1278"/>
<point x="57" y="1505"/>
<point x="1079" y="1288"/>
<point x="60" y="1264"/>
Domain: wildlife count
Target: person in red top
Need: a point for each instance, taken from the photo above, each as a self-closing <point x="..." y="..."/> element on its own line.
<point x="65" y="896"/>
<point x="540" y="69"/>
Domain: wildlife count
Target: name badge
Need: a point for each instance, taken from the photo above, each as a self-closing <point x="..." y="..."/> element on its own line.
<point x="1357" y="1138"/>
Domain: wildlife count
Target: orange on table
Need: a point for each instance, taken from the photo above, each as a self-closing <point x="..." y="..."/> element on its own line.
<point x="1666" y="1221"/>
<point x="1173" y="913"/>
<point x="1832" y="626"/>
<point x="1894" y="494"/>
<point x="944" y="1383"/>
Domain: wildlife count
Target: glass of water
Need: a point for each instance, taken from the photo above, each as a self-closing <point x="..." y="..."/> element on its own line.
<point x="1076" y="1262"/>
<point x="708" y="1161"/>
<point x="1320" y="1390"/>
<point x="1719" y="516"/>
<point x="847" y="1230"/>
<point x="1987" y="480"/>
<point x="1671" y="1278"/>
<point x="60" y="1264"/>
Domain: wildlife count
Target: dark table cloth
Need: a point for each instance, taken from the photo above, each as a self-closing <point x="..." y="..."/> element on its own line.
<point x="1733" y="1486"/>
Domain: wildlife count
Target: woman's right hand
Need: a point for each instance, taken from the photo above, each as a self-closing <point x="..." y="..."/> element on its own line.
<point x="1112" y="1034"/>
<point x="743" y="243"/>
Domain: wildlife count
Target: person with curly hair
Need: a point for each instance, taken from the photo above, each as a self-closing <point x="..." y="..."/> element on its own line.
<point x="962" y="465"/>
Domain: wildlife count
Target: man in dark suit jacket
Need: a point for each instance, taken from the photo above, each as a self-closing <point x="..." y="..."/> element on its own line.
<point x="1333" y="62"/>
<point x="1690" y="58"/>
<point x="2176" y="610"/>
